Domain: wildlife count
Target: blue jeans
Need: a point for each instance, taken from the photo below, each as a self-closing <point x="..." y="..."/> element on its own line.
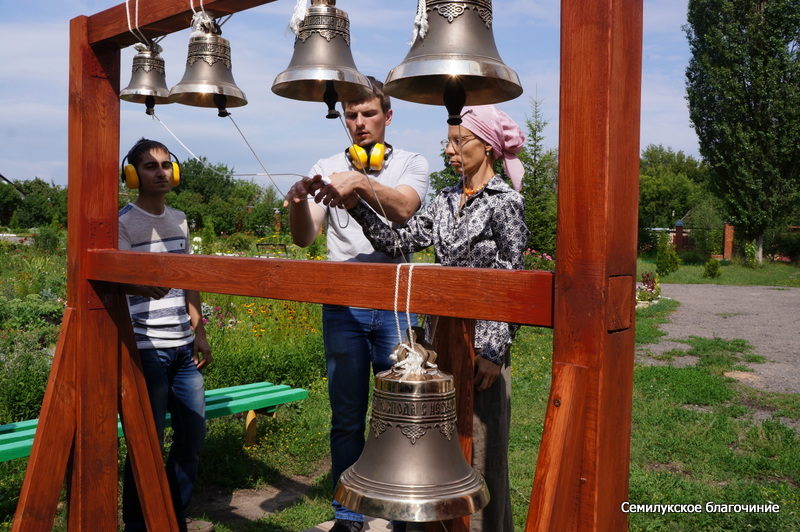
<point x="355" y="339"/>
<point x="174" y="384"/>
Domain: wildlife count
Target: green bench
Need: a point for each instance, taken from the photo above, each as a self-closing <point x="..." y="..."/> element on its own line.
<point x="16" y="439"/>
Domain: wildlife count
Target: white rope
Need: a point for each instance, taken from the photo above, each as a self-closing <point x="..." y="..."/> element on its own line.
<point x="413" y="363"/>
<point x="298" y="15"/>
<point x="420" y="21"/>
<point x="174" y="136"/>
<point x="185" y="147"/>
<point x="256" y="156"/>
<point x="138" y="33"/>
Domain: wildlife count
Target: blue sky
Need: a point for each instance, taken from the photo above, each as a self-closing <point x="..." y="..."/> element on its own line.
<point x="289" y="135"/>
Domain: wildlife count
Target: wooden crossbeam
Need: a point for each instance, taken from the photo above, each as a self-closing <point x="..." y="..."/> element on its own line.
<point x="156" y="18"/>
<point x="502" y="295"/>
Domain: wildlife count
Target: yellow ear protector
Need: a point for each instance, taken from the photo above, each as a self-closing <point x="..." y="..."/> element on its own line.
<point x="130" y="176"/>
<point x="371" y="158"/>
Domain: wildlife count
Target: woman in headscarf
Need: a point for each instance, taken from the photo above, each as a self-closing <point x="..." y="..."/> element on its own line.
<point x="477" y="223"/>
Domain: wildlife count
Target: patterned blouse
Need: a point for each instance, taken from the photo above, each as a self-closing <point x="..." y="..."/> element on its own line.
<point x="487" y="232"/>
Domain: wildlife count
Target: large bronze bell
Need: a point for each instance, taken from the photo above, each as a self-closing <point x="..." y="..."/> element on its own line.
<point x="208" y="79"/>
<point x="322" y="67"/>
<point x="148" y="83"/>
<point x="412" y="468"/>
<point x="455" y="62"/>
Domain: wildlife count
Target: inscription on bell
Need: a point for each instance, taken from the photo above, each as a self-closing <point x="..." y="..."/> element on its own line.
<point x="414" y="409"/>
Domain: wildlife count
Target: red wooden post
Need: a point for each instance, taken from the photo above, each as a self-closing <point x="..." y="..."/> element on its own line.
<point x="93" y="151"/>
<point x="582" y="472"/>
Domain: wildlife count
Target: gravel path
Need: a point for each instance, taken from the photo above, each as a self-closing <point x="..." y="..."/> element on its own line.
<point x="766" y="316"/>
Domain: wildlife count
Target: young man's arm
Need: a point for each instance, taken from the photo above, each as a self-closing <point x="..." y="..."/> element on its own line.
<point x="399" y="203"/>
<point x="305" y="217"/>
<point x="202" y="350"/>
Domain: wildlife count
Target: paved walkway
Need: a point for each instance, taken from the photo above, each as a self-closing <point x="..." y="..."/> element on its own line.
<point x="766" y="316"/>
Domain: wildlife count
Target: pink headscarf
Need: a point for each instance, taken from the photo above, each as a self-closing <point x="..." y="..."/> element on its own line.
<point x="500" y="131"/>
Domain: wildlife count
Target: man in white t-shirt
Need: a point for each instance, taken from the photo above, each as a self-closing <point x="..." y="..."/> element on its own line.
<point x="357" y="340"/>
<point x="168" y="326"/>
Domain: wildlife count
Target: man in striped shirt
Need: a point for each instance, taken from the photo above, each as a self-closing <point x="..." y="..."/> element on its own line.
<point x="168" y="326"/>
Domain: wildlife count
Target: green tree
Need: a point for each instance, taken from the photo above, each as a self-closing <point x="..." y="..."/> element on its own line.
<point x="743" y="87"/>
<point x="540" y="183"/>
<point x="44" y="204"/>
<point x="10" y="200"/>
<point x="208" y="180"/>
<point x="655" y="157"/>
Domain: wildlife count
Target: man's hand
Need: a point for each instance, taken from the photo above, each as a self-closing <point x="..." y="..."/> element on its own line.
<point x="341" y="190"/>
<point x="201" y="351"/>
<point x="154" y="292"/>
<point x="486" y="373"/>
<point x="300" y="190"/>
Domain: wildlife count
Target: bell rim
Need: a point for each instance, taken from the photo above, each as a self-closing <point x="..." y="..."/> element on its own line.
<point x="455" y="499"/>
<point x="186" y="92"/>
<point x="435" y="72"/>
<point x="309" y="84"/>
<point x="141" y="96"/>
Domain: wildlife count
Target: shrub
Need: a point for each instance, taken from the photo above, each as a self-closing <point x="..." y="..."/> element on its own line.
<point x="667" y="260"/>
<point x="535" y="260"/>
<point x="712" y="268"/>
<point x="29" y="313"/>
<point x="650" y="289"/>
<point x="750" y="251"/>
<point x="240" y="242"/>
<point x="24" y="368"/>
<point x="47" y="239"/>
<point x="691" y="256"/>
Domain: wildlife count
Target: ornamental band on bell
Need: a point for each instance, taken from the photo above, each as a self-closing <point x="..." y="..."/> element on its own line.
<point x="450" y="10"/>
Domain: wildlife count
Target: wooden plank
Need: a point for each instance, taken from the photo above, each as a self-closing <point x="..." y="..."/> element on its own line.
<point x="156" y="18"/>
<point x="554" y="500"/>
<point x="93" y="126"/>
<point x="454" y="341"/>
<point x="38" y="498"/>
<point x="596" y="267"/>
<point x="139" y="427"/>
<point x="94" y="489"/>
<point x="502" y="295"/>
<point x="614" y="432"/>
<point x="621" y="302"/>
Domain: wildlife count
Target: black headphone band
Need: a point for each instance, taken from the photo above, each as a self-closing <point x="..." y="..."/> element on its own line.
<point x="127" y="158"/>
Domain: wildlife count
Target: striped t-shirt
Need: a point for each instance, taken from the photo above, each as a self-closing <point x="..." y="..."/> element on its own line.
<point x="157" y="323"/>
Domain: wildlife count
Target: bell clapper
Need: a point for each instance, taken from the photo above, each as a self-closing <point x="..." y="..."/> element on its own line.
<point x="454" y="98"/>
<point x="330" y="98"/>
<point x="221" y="101"/>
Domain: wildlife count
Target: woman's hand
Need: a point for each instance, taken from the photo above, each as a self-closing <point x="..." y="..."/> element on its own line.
<point x="486" y="373"/>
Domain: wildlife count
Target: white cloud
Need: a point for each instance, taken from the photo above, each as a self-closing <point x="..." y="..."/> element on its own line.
<point x="289" y="135"/>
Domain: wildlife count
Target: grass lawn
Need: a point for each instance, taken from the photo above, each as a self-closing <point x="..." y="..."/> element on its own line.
<point x="768" y="274"/>
<point x="698" y="437"/>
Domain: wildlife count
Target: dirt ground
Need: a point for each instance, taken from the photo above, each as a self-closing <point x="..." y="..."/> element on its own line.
<point x="768" y="317"/>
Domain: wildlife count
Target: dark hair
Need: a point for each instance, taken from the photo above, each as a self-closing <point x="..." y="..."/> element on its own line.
<point x="141" y="147"/>
<point x="377" y="92"/>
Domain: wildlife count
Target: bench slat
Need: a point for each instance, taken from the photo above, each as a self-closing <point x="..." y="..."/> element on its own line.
<point x="16" y="439"/>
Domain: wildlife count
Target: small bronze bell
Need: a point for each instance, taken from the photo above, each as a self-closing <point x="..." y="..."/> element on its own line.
<point x="208" y="80"/>
<point x="455" y="61"/>
<point x="148" y="83"/>
<point x="322" y="67"/>
<point x="412" y="468"/>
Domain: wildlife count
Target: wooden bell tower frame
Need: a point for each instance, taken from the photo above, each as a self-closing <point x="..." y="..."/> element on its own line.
<point x="582" y="471"/>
